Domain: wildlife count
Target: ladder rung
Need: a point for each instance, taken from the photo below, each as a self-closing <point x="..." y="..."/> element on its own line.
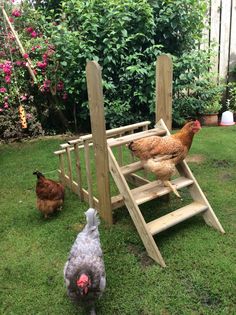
<point x="155" y="189"/>
<point x="135" y="136"/>
<point x="133" y="167"/>
<point x="175" y="217"/>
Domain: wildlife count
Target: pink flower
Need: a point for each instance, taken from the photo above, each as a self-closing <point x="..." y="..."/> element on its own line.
<point x="7" y="69"/>
<point x="29" y="29"/>
<point x="6" y="105"/>
<point x="8" y="79"/>
<point x="25" y="56"/>
<point x="18" y="63"/>
<point x="28" y="116"/>
<point x="11" y="19"/>
<point x="3" y="90"/>
<point x="5" y="98"/>
<point x="33" y="34"/>
<point x="60" y="86"/>
<point x="16" y="13"/>
<point x="1" y="110"/>
<point x="45" y="57"/>
<point x="41" y="65"/>
<point x="65" y="96"/>
<point x="24" y="97"/>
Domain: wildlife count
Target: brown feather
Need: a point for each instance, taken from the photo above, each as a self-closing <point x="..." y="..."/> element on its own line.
<point x="50" y="195"/>
<point x="160" y="154"/>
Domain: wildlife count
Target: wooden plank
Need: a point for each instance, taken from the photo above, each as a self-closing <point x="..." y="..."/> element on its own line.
<point x="75" y="189"/>
<point x="69" y="164"/>
<point x="175" y="217"/>
<point x="119" y="130"/>
<point x="232" y="57"/>
<point x="136" y="180"/>
<point x="88" y="172"/>
<point x="215" y="34"/>
<point x="224" y="39"/>
<point x="61" y="164"/>
<point x="120" y="153"/>
<point x="134" y="211"/>
<point x="131" y="168"/>
<point x="155" y="189"/>
<point x="196" y="192"/>
<point x="138" y="135"/>
<point x="97" y="118"/>
<point x="164" y="77"/>
<point x="78" y="170"/>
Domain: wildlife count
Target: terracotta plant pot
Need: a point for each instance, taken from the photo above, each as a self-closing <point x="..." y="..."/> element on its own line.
<point x="209" y="119"/>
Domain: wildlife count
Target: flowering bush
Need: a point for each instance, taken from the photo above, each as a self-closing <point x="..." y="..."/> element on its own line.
<point x="124" y="36"/>
<point x="16" y="85"/>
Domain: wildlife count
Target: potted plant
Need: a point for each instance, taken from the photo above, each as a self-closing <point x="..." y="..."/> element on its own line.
<point x="209" y="115"/>
<point x="210" y="96"/>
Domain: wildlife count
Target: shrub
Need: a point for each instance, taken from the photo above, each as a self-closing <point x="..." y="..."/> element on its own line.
<point x="125" y="37"/>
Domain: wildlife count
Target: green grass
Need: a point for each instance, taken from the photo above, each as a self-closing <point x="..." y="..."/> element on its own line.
<point x="200" y="276"/>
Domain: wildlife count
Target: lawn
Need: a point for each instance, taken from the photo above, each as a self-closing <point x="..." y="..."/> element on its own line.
<point x="200" y="275"/>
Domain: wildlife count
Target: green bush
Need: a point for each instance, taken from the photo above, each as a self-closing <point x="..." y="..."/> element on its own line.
<point x="125" y="37"/>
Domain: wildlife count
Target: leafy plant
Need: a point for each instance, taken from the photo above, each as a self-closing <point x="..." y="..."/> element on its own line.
<point x="232" y="96"/>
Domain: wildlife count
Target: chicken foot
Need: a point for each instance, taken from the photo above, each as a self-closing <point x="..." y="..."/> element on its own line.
<point x="168" y="183"/>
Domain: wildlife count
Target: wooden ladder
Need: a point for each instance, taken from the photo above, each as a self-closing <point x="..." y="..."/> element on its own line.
<point x="151" y="190"/>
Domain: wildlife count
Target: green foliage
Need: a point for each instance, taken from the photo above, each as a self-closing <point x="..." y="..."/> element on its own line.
<point x="125" y="37"/>
<point x="232" y="96"/>
<point x="10" y="126"/>
<point x="179" y="24"/>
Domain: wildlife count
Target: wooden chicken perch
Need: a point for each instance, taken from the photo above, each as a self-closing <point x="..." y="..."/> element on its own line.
<point x="105" y="148"/>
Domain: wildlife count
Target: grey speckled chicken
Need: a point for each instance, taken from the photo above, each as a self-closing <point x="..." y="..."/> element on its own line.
<point x="84" y="272"/>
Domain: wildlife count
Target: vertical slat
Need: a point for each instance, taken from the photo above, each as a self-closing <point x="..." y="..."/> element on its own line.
<point x="120" y="154"/>
<point x="62" y="167"/>
<point x="88" y="172"/>
<point x="215" y="34"/>
<point x="69" y="165"/>
<point x="164" y="76"/>
<point x="78" y="170"/>
<point x="232" y="55"/>
<point x="145" y="173"/>
<point x="224" y="39"/>
<point x="96" y="107"/>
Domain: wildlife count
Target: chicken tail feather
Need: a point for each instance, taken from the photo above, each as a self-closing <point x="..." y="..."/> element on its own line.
<point x="130" y="145"/>
<point x="91" y="217"/>
<point x="38" y="174"/>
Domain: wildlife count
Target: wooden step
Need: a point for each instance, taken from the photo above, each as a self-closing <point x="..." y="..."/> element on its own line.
<point x="131" y="168"/>
<point x="175" y="217"/>
<point x="134" y="136"/>
<point x="150" y="191"/>
<point x="156" y="189"/>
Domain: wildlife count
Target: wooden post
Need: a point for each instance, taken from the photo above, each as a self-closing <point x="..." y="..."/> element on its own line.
<point x="164" y="77"/>
<point x="78" y="170"/>
<point x="88" y="172"/>
<point x="96" y="107"/>
<point x="69" y="166"/>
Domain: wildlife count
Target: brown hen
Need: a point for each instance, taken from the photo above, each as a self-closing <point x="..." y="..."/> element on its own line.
<point x="50" y="194"/>
<point x="160" y="154"/>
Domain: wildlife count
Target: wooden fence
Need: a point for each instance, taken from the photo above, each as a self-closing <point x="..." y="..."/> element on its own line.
<point x="221" y="30"/>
